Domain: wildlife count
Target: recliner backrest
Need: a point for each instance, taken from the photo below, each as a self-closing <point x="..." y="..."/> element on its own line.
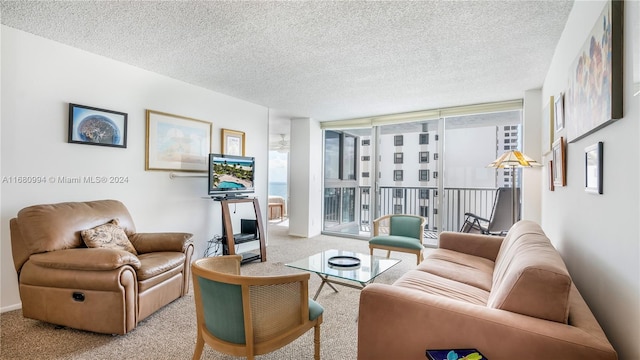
<point x="50" y="227"/>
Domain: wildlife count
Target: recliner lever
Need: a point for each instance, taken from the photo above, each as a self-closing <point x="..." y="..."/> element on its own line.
<point x="78" y="296"/>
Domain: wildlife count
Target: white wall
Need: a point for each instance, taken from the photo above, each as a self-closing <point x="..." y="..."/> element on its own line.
<point x="305" y="199"/>
<point x="532" y="177"/>
<point x="40" y="77"/>
<point x="598" y="235"/>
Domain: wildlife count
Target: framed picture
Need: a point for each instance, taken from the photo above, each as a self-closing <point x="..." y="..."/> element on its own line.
<point x="93" y="126"/>
<point x="559" y="172"/>
<point x="177" y="143"/>
<point x="559" y="113"/>
<point x="548" y="125"/>
<point x="595" y="94"/>
<point x="551" y="186"/>
<point x="232" y="142"/>
<point x="593" y="168"/>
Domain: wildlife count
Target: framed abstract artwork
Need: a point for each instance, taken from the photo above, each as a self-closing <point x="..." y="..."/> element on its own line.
<point x="232" y="142"/>
<point x="594" y="97"/>
<point x="593" y="168"/>
<point x="93" y="126"/>
<point x="177" y="143"/>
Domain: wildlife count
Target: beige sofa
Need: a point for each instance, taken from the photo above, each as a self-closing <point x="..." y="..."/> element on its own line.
<point x="510" y="298"/>
<point x="104" y="290"/>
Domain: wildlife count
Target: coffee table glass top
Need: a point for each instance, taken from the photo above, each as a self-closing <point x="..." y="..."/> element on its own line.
<point x="369" y="268"/>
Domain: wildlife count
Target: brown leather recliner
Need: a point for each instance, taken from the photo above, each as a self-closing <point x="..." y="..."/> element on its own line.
<point x="96" y="289"/>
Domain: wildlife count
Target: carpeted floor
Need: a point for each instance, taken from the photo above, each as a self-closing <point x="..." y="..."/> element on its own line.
<point x="170" y="332"/>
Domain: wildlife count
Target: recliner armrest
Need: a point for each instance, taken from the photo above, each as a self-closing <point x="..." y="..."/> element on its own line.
<point x="154" y="242"/>
<point x="86" y="259"/>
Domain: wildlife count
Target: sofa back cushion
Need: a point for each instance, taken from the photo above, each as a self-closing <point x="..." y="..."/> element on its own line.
<point x="530" y="277"/>
<point x="51" y="227"/>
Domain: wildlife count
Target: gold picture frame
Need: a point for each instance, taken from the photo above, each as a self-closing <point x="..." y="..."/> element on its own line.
<point x="559" y="163"/>
<point x="548" y="125"/>
<point x="177" y="143"/>
<point x="232" y="142"/>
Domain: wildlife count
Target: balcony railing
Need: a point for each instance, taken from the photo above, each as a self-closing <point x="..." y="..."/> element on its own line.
<point x="423" y="201"/>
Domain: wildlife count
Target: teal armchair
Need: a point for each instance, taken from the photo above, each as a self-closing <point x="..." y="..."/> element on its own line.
<point x="398" y="232"/>
<point x="250" y="315"/>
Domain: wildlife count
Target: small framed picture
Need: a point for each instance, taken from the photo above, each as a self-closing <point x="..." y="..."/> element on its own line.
<point x="559" y="112"/>
<point x="232" y="142"/>
<point x="558" y="170"/>
<point x="93" y="126"/>
<point x="593" y="168"/>
<point x="551" y="186"/>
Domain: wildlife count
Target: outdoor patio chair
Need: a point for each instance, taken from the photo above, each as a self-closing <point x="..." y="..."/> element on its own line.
<point x="501" y="218"/>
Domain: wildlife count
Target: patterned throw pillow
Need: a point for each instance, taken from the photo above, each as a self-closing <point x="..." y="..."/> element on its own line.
<point x="109" y="235"/>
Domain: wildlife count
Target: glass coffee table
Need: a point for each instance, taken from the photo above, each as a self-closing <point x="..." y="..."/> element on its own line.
<point x="336" y="266"/>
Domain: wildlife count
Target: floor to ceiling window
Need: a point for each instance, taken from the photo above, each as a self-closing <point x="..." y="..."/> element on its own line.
<point x="435" y="168"/>
<point x="340" y="182"/>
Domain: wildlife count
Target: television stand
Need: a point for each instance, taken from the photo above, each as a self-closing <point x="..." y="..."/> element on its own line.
<point x="232" y="239"/>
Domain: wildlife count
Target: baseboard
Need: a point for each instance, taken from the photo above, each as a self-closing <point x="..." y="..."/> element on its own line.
<point x="11" y="308"/>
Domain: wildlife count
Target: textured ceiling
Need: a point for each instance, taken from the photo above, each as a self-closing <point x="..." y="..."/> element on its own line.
<point x="325" y="60"/>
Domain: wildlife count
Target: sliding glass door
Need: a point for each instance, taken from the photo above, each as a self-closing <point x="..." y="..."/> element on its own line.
<point x="433" y="168"/>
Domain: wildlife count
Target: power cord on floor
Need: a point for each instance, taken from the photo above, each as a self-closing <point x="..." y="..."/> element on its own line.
<point x="214" y="246"/>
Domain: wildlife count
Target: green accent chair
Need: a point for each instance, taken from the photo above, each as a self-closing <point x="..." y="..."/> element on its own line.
<point x="250" y="315"/>
<point x="398" y="232"/>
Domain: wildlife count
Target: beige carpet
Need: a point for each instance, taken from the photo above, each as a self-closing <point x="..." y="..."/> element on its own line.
<point x="170" y="332"/>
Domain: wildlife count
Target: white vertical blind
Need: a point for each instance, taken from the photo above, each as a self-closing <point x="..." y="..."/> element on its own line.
<point x="422" y="115"/>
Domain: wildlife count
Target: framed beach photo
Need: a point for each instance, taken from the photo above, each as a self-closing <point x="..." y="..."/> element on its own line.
<point x="93" y="126"/>
<point x="232" y="142"/>
<point x="177" y="142"/>
<point x="593" y="168"/>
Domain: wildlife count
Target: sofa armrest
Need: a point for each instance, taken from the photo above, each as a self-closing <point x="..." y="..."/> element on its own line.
<point x="86" y="259"/>
<point x="486" y="246"/>
<point x="428" y="321"/>
<point x="154" y="242"/>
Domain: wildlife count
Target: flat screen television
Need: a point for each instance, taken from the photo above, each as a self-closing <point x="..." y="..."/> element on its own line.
<point x="230" y="175"/>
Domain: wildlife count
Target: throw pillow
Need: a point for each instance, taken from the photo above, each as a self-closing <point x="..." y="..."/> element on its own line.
<point x="109" y="235"/>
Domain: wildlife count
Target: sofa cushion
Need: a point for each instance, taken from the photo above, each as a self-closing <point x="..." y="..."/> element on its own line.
<point x="397" y="241"/>
<point x="153" y="264"/>
<point x="468" y="269"/>
<point x="436" y="285"/>
<point x="108" y="236"/>
<point x="530" y="277"/>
